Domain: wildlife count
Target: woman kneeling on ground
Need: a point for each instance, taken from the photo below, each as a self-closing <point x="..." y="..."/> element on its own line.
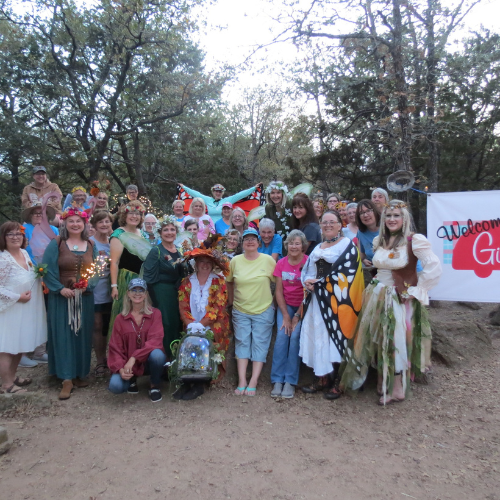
<point x="136" y="344"/>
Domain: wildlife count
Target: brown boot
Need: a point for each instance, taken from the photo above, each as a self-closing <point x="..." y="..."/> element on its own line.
<point x="77" y="382"/>
<point x="66" y="389"/>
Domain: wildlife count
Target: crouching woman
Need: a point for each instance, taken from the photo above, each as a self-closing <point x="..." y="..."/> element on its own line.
<point x="136" y="345"/>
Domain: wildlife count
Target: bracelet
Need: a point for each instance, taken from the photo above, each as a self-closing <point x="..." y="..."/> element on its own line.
<point x="114" y="286"/>
<point x="297" y="315"/>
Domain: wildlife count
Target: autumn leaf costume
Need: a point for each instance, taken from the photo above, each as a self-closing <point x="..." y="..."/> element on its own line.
<point x="207" y="304"/>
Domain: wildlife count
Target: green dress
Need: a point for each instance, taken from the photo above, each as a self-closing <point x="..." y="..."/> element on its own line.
<point x="69" y="352"/>
<point x="163" y="273"/>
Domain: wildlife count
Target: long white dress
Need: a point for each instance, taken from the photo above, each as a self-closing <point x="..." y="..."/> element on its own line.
<point x="23" y="326"/>
<point x="317" y="349"/>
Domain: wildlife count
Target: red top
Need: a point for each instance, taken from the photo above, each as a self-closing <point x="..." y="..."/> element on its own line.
<point x="123" y="343"/>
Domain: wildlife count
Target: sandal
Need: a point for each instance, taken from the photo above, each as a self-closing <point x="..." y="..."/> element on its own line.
<point x="250" y="391"/>
<point x="100" y="370"/>
<point x="22" y="382"/>
<point x="239" y="391"/>
<point x="389" y="401"/>
<point x="15" y="389"/>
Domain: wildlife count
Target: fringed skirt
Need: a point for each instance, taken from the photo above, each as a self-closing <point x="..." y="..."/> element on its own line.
<point x="392" y="337"/>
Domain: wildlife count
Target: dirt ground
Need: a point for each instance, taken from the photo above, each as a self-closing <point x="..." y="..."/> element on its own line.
<point x="443" y="443"/>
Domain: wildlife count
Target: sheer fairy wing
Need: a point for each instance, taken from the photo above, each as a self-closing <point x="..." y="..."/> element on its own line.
<point x="305" y="187"/>
<point x="186" y="240"/>
<point x="39" y="242"/>
<point x="256" y="213"/>
<point x="135" y="244"/>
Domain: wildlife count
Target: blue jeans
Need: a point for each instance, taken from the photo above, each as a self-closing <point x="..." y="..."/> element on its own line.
<point x="286" y="361"/>
<point x="154" y="367"/>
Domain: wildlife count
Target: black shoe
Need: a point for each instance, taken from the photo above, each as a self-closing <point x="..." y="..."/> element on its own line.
<point x="333" y="393"/>
<point x="132" y="388"/>
<point x="194" y="392"/>
<point x="155" y="395"/>
<point x="179" y="393"/>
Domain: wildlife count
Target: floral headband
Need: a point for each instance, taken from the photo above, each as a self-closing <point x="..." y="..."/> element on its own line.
<point x="78" y="188"/>
<point x="98" y="186"/>
<point x="128" y="209"/>
<point x="70" y="212"/>
<point x="280" y="186"/>
<point x="168" y="219"/>
<point x="395" y="205"/>
<point x="340" y="204"/>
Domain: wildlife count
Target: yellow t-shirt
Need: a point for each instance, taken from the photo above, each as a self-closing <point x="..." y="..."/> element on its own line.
<point x="252" y="279"/>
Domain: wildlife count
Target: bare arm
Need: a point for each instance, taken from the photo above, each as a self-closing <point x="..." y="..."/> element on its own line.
<point x="230" y="293"/>
<point x="116" y="250"/>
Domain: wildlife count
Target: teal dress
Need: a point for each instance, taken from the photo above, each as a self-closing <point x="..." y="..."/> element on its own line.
<point x="69" y="352"/>
<point x="163" y="273"/>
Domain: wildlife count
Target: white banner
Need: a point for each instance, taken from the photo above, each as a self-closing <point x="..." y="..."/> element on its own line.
<point x="464" y="230"/>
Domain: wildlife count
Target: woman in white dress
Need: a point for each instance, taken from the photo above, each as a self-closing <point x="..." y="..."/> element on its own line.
<point x="23" y="323"/>
<point x="333" y="277"/>
<point x="393" y="331"/>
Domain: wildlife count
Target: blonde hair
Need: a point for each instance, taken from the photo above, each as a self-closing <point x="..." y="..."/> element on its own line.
<point x="406" y="231"/>
<point x="147" y="307"/>
<point x="199" y="200"/>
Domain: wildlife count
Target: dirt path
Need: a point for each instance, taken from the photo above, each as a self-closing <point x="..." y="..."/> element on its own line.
<point x="441" y="444"/>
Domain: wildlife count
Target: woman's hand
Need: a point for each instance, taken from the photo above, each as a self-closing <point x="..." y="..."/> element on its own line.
<point x="25" y="297"/>
<point x="114" y="293"/>
<point x="126" y="373"/>
<point x="67" y="292"/>
<point x="309" y="284"/>
<point x="295" y="322"/>
<point x="367" y="262"/>
<point x="287" y="325"/>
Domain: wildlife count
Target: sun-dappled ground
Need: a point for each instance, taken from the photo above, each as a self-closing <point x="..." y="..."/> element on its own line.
<point x="443" y="443"/>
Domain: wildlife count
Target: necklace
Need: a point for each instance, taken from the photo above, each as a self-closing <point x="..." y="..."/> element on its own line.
<point x="75" y="247"/>
<point x="138" y="340"/>
<point x="335" y="238"/>
<point x="395" y="233"/>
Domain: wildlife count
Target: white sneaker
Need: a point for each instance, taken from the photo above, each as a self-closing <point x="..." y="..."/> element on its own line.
<point x="276" y="392"/>
<point x="288" y="391"/>
<point x="44" y="358"/>
<point x="27" y="362"/>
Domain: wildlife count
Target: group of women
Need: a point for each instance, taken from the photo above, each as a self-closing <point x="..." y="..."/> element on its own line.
<point x="139" y="289"/>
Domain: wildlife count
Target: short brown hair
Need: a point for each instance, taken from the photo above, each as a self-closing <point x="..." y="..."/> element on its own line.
<point x="99" y="216"/>
<point x="132" y="205"/>
<point x="7" y="227"/>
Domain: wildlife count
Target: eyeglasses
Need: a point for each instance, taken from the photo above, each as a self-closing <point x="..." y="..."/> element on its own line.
<point x="38" y="214"/>
<point x="149" y="223"/>
<point x="14" y="235"/>
<point x="366" y="212"/>
<point x="329" y="223"/>
<point x="138" y="291"/>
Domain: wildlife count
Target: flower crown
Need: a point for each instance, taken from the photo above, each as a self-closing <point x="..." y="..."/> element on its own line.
<point x="22" y="230"/>
<point x="70" y="212"/>
<point x="168" y="219"/>
<point x="281" y="186"/>
<point x="100" y="185"/>
<point x="340" y="204"/>
<point x="78" y="188"/>
<point x="395" y="205"/>
<point x="128" y="209"/>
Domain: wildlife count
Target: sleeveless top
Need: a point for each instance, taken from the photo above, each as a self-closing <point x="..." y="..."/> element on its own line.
<point x="73" y="264"/>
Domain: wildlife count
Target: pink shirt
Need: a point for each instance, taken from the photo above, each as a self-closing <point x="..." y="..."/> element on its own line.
<point x="290" y="276"/>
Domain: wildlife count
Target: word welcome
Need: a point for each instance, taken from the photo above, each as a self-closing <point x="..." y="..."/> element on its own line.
<point x="455" y="230"/>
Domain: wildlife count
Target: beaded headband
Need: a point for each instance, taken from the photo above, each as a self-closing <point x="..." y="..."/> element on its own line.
<point x="392" y="206"/>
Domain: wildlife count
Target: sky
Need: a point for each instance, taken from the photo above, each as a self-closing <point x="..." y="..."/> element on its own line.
<point x="236" y="27"/>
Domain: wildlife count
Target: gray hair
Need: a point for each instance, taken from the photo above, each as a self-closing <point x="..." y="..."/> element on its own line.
<point x="352" y="205"/>
<point x="293" y="235"/>
<point x="151" y="215"/>
<point x="267" y="224"/>
<point x="64" y="235"/>
<point x="132" y="187"/>
<point x="190" y="222"/>
<point x="383" y="192"/>
<point x="331" y="195"/>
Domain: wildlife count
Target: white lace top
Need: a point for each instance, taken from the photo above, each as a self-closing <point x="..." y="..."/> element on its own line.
<point x="429" y="276"/>
<point x="13" y="278"/>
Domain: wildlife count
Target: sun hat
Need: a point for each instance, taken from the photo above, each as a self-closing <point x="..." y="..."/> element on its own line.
<point x="26" y="214"/>
<point x="218" y="258"/>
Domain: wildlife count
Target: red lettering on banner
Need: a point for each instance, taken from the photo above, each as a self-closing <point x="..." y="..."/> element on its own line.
<point x="479" y="251"/>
